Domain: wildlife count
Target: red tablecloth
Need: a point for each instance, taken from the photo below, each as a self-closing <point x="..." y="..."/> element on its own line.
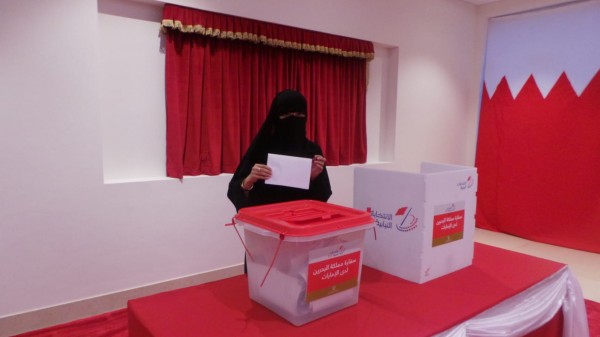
<point x="387" y="306"/>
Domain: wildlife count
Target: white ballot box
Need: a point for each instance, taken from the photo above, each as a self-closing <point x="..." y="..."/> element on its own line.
<point x="304" y="257"/>
<point x="424" y="222"/>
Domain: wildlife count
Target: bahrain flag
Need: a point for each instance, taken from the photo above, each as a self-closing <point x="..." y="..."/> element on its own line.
<point x="538" y="147"/>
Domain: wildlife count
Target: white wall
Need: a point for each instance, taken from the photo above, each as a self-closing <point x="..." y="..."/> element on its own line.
<point x="69" y="69"/>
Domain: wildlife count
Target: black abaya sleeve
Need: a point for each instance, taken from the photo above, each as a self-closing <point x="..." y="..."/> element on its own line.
<point x="320" y="188"/>
<point x="235" y="193"/>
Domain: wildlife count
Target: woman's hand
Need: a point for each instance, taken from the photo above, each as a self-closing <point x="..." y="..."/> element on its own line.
<point x="259" y="171"/>
<point x="318" y="163"/>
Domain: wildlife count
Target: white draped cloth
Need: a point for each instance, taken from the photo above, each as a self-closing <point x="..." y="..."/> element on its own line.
<point x="531" y="309"/>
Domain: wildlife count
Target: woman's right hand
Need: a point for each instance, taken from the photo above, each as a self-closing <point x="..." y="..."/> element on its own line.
<point x="259" y="171"/>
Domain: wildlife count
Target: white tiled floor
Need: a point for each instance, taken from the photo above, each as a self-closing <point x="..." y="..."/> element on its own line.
<point x="585" y="265"/>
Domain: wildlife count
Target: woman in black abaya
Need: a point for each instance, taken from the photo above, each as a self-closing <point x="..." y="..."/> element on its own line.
<point x="283" y="132"/>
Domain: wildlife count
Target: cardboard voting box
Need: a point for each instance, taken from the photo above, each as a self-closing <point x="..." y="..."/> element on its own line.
<point x="424" y="222"/>
<point x="305" y="257"/>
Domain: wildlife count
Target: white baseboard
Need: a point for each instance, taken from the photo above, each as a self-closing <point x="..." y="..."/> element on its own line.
<point x="46" y="317"/>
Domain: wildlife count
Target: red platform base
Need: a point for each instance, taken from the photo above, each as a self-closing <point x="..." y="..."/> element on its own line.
<point x="387" y="306"/>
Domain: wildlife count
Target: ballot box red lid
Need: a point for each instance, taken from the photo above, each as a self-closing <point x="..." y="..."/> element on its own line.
<point x="303" y="217"/>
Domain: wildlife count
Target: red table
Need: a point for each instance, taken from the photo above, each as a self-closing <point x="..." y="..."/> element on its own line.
<point x="387" y="306"/>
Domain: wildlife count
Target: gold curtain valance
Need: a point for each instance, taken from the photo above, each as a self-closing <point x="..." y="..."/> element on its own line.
<point x="188" y="20"/>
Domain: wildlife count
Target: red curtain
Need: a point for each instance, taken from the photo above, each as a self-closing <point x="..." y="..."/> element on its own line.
<point x="538" y="162"/>
<point x="222" y="73"/>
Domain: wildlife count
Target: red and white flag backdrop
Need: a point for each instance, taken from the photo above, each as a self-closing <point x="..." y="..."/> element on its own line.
<point x="538" y="148"/>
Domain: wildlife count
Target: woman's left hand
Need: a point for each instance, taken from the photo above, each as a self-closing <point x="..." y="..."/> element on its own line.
<point x="318" y="163"/>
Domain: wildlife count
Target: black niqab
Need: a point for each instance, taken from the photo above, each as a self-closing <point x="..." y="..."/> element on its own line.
<point x="278" y="135"/>
<point x="285" y="136"/>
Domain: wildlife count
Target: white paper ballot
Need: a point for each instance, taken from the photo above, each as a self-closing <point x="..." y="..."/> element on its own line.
<point x="289" y="171"/>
